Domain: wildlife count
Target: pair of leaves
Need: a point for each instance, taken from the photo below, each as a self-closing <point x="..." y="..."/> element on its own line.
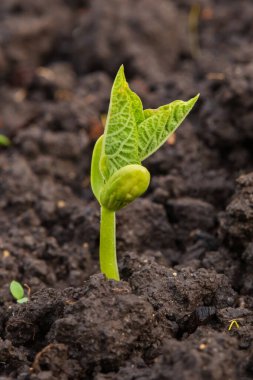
<point x="133" y="134"/>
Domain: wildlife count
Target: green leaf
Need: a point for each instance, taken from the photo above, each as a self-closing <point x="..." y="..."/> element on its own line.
<point x="152" y="133"/>
<point x="120" y="143"/>
<point x="159" y="124"/>
<point x="96" y="177"/>
<point x="4" y="141"/>
<point x="16" y="290"/>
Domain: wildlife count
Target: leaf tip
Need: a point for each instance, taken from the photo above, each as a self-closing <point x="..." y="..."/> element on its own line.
<point x="191" y="103"/>
<point x="195" y="99"/>
<point x="121" y="72"/>
<point x="120" y="79"/>
<point x="121" y="68"/>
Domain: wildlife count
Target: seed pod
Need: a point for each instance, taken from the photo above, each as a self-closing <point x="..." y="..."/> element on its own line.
<point x="124" y="186"/>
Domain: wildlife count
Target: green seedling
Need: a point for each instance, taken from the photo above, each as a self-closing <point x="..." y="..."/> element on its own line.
<point x="4" y="141"/>
<point x="117" y="175"/>
<point x="17" y="291"/>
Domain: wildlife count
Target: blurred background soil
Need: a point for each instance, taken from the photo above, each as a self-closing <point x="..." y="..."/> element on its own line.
<point x="185" y="249"/>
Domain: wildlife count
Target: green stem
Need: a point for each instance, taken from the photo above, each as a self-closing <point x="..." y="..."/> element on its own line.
<point x="108" y="258"/>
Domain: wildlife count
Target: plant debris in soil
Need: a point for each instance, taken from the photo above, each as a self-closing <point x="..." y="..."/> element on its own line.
<point x="185" y="249"/>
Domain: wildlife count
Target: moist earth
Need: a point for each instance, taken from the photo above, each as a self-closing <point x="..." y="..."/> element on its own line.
<point x="185" y="249"/>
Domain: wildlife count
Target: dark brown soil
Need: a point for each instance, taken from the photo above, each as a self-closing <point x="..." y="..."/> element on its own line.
<point x="185" y="249"/>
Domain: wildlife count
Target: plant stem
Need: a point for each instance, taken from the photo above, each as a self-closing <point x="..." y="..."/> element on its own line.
<point x="107" y="252"/>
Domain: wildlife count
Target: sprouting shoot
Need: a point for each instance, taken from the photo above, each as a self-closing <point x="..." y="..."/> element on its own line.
<point x="118" y="177"/>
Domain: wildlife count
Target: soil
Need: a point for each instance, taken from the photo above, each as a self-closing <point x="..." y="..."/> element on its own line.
<point x="185" y="249"/>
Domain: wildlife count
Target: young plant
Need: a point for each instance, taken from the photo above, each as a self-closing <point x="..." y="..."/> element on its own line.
<point x="117" y="175"/>
<point x="17" y="292"/>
